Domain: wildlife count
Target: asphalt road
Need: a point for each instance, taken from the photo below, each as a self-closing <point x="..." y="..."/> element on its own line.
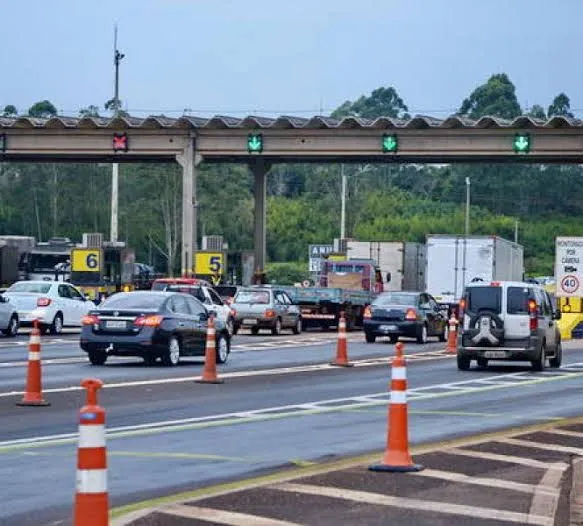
<point x="281" y="404"/>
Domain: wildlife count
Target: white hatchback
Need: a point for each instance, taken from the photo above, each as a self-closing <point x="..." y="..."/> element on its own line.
<point x="53" y="303"/>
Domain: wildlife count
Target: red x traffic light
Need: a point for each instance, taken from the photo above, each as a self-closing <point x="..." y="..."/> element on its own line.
<point x="120" y="142"/>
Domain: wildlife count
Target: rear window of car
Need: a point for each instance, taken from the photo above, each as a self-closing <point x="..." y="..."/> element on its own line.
<point x="246" y="296"/>
<point x="484" y="298"/>
<point x="128" y="300"/>
<point x="397" y="299"/>
<point x="517" y="300"/>
<point x="38" y="288"/>
<point x="193" y="291"/>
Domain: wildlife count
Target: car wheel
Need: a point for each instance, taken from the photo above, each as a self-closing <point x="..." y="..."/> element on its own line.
<point x="12" y="329"/>
<point x="557" y="359"/>
<point x="223" y="348"/>
<point x="422" y="334"/>
<point x="463" y="362"/>
<point x="172" y="355"/>
<point x="254" y="331"/>
<point x="298" y="328"/>
<point x="482" y="362"/>
<point x="539" y="363"/>
<point x="97" y="357"/>
<point x="57" y="325"/>
<point x="393" y="338"/>
<point x="276" y="331"/>
<point x="370" y="338"/>
<point x="444" y="334"/>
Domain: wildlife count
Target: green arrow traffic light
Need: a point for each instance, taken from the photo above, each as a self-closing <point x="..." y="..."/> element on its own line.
<point x="390" y="143"/>
<point x="255" y="143"/>
<point x="521" y="143"/>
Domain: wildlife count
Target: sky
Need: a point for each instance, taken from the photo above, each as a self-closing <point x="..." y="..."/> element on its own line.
<point x="294" y="57"/>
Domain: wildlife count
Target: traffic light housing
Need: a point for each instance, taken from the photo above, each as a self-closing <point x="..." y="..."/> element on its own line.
<point x="2" y="142"/>
<point x="120" y="142"/>
<point x="390" y="143"/>
<point x="255" y="143"/>
<point x="521" y="143"/>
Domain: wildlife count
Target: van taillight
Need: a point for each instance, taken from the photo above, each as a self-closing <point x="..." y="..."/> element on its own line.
<point x="411" y="314"/>
<point x="533" y="315"/>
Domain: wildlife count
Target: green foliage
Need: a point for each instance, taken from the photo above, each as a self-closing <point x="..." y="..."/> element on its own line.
<point x="9" y="111"/>
<point x="537" y="112"/>
<point x="560" y="106"/>
<point x="42" y="109"/>
<point x="89" y="111"/>
<point x="496" y="98"/>
<point x="382" y="102"/>
<point x="287" y="273"/>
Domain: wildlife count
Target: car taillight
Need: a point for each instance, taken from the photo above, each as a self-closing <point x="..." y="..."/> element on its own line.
<point x="367" y="315"/>
<point x="533" y="315"/>
<point x="43" y="302"/>
<point x="461" y="309"/>
<point x="411" y="314"/>
<point x="90" y="319"/>
<point x="233" y="313"/>
<point x="148" y="321"/>
<point x="269" y="313"/>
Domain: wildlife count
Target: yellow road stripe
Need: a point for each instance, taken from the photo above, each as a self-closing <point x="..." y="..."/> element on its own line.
<point x="228" y="518"/>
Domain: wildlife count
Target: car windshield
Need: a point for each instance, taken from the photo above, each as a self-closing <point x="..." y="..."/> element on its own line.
<point x="252" y="296"/>
<point x="37" y="288"/>
<point x="396" y="298"/>
<point x="130" y="300"/>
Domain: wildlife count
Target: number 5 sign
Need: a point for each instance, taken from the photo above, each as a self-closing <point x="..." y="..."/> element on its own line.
<point x="209" y="263"/>
<point x="85" y="260"/>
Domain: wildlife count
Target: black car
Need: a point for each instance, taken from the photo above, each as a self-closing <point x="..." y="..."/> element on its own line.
<point x="151" y="325"/>
<point x="412" y="314"/>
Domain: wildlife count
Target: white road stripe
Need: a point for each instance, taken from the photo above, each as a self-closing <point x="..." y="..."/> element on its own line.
<point x="544" y="503"/>
<point x="415" y="504"/>
<point x="511" y="459"/>
<point x="540" y="445"/>
<point x="229" y="518"/>
<point x="565" y="432"/>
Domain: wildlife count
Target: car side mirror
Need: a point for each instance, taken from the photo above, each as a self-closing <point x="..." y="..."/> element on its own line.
<point x="558" y="314"/>
<point x="388" y="276"/>
<point x="3" y="299"/>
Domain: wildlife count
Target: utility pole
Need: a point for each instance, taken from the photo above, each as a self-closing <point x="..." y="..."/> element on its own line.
<point x="516" y="231"/>
<point x="467" y="206"/>
<point x="117" y="57"/>
<point x="343" y="201"/>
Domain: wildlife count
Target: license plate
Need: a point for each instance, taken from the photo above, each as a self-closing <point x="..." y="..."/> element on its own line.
<point x="249" y="321"/>
<point x="115" y="324"/>
<point x="495" y="354"/>
<point x="388" y="328"/>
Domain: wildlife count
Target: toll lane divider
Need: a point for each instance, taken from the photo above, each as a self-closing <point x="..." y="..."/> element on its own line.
<point x="489" y="383"/>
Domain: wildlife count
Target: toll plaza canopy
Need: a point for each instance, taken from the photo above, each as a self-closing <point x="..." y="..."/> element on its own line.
<point x="420" y="139"/>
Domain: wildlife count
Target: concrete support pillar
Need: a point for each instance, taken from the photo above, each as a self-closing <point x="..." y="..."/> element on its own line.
<point x="189" y="163"/>
<point x="259" y="170"/>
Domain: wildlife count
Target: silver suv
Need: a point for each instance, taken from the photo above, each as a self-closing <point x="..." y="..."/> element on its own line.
<point x="508" y="320"/>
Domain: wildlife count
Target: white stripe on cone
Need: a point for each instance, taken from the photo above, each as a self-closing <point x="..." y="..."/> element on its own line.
<point x="92" y="436"/>
<point x="91" y="480"/>
<point x="398" y="397"/>
<point x="33" y="356"/>
<point x="399" y="373"/>
<point x="35" y="339"/>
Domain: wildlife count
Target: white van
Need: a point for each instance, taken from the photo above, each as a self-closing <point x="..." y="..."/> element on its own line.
<point x="508" y="320"/>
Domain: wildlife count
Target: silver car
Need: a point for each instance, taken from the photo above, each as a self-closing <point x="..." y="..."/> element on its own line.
<point x="9" y="322"/>
<point x="265" y="308"/>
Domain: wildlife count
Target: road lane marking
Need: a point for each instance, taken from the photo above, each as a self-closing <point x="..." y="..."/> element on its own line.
<point x="566" y="432"/>
<point x="540" y="445"/>
<point x="413" y="504"/>
<point x="547" y="488"/>
<point x="544" y="503"/>
<point x="228" y="518"/>
<point x="511" y="459"/>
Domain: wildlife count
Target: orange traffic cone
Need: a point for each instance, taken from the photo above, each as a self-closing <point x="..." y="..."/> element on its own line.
<point x="341" y="346"/>
<point x="91" y="507"/>
<point x="209" y="374"/>
<point x="33" y="394"/>
<point x="452" y="335"/>
<point x="397" y="457"/>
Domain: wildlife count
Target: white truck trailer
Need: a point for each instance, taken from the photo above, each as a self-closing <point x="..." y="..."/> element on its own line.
<point x="404" y="262"/>
<point x="454" y="261"/>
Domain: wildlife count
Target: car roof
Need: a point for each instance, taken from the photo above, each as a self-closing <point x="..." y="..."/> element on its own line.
<point x="503" y="284"/>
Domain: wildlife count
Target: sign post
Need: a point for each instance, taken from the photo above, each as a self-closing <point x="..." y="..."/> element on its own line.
<point x="569" y="267"/>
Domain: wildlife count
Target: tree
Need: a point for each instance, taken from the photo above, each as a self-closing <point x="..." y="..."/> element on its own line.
<point x="9" y="111"/>
<point x="382" y="102"/>
<point x="560" y="106"/>
<point x="496" y="98"/>
<point x="537" y="112"/>
<point x="89" y="111"/>
<point x="42" y="110"/>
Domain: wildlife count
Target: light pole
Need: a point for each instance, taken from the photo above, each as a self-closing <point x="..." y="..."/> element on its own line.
<point x="117" y="56"/>
<point x="467" y="206"/>
<point x="362" y="170"/>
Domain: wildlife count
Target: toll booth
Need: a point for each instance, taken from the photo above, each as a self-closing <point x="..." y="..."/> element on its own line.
<point x="101" y="272"/>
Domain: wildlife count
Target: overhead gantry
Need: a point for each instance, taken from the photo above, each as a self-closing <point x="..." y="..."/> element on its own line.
<point x="260" y="142"/>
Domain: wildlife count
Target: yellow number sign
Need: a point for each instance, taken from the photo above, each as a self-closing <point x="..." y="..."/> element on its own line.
<point x="209" y="263"/>
<point x="85" y="260"/>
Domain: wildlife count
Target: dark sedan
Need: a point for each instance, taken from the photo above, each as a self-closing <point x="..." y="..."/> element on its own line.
<point x="411" y="314"/>
<point x="151" y="325"/>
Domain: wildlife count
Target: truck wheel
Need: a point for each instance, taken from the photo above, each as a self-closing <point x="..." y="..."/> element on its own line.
<point x="370" y="338"/>
<point x="463" y="362"/>
<point x="97" y="357"/>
